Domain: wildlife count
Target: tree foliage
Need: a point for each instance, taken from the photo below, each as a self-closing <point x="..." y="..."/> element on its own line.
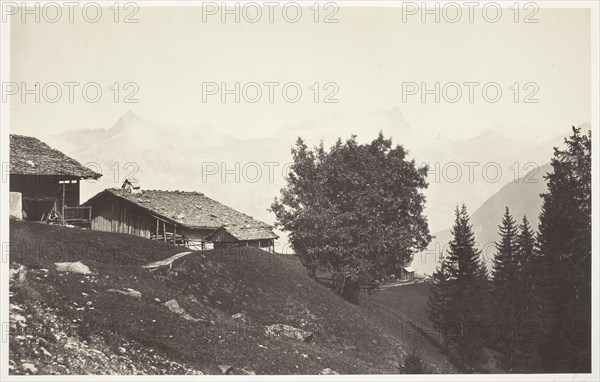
<point x="506" y="288"/>
<point x="459" y="291"/>
<point x="540" y="297"/>
<point x="514" y="303"/>
<point x="565" y="258"/>
<point x="355" y="210"/>
<point x="413" y="363"/>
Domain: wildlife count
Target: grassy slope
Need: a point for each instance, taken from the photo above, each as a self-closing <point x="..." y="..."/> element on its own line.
<point x="71" y="323"/>
<point x="404" y="308"/>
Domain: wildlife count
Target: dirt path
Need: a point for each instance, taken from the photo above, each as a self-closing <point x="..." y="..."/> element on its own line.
<point x="165" y="262"/>
<point x="400" y="283"/>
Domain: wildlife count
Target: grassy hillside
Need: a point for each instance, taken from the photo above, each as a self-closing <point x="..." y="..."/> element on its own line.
<point x="114" y="319"/>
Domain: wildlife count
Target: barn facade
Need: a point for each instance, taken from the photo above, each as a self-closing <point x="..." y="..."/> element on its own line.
<point x="189" y="219"/>
<point x="44" y="182"/>
<point x="407" y="274"/>
<point x="234" y="236"/>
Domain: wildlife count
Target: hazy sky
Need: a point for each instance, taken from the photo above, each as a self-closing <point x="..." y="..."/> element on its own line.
<point x="369" y="54"/>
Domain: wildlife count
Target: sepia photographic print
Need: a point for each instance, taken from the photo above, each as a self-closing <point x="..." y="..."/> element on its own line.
<point x="333" y="190"/>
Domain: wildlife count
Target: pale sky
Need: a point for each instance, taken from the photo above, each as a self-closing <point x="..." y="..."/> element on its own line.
<point x="369" y="53"/>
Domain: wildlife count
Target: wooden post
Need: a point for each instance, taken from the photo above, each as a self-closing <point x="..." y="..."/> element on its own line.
<point x="63" y="205"/>
<point x="164" y="232"/>
<point x="157" y="229"/>
<point x="174" y="233"/>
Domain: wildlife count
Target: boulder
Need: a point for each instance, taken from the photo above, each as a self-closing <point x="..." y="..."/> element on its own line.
<point x="76" y="267"/>
<point x="225" y="369"/>
<point x="127" y="292"/>
<point x="289" y="332"/>
<point x="245" y="372"/>
<point x="328" y="371"/>
<point x="174" y="307"/>
<point x="29" y="368"/>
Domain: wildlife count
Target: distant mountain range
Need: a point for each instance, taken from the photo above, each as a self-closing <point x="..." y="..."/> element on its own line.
<point x="248" y="173"/>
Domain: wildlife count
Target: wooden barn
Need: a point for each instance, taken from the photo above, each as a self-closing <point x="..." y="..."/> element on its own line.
<point x="44" y="182"/>
<point x="183" y="218"/>
<point x="233" y="235"/>
<point x="407" y="274"/>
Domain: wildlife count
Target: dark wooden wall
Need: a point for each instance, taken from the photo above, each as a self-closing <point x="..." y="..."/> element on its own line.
<point x="223" y="236"/>
<point x="123" y="217"/>
<point x="265" y="243"/>
<point x="39" y="193"/>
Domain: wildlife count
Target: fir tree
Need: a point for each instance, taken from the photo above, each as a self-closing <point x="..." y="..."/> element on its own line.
<point x="526" y="357"/>
<point x="506" y="289"/>
<point x="437" y="303"/>
<point x="459" y="306"/>
<point x="413" y="363"/>
<point x="565" y="253"/>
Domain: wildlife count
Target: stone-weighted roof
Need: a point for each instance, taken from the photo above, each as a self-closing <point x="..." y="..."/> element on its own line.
<point x="30" y="156"/>
<point x="194" y="210"/>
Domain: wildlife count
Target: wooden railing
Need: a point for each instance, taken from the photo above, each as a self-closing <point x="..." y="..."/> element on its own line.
<point x="78" y="214"/>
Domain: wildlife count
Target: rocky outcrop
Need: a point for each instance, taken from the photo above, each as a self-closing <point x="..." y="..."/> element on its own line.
<point x="289" y="332"/>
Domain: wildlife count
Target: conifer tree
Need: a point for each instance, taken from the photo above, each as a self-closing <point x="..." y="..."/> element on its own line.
<point x="459" y="306"/>
<point x="437" y="303"/>
<point x="565" y="254"/>
<point x="413" y="363"/>
<point x="506" y="289"/>
<point x="526" y="357"/>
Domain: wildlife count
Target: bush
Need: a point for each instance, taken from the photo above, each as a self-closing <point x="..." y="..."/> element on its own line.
<point x="413" y="363"/>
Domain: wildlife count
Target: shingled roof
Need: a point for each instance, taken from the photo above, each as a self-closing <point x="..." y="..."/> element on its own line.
<point x="30" y="156"/>
<point x="248" y="233"/>
<point x="193" y="210"/>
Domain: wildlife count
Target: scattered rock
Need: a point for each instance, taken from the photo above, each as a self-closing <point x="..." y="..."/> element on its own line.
<point x="19" y="272"/>
<point x="18" y="318"/>
<point x="225" y="369"/>
<point x="288" y="331"/>
<point x="76" y="267"/>
<point x="245" y="372"/>
<point x="15" y="307"/>
<point x="127" y="292"/>
<point x="328" y="371"/>
<point x="174" y="307"/>
<point x="29" y="367"/>
<point x="166" y="262"/>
